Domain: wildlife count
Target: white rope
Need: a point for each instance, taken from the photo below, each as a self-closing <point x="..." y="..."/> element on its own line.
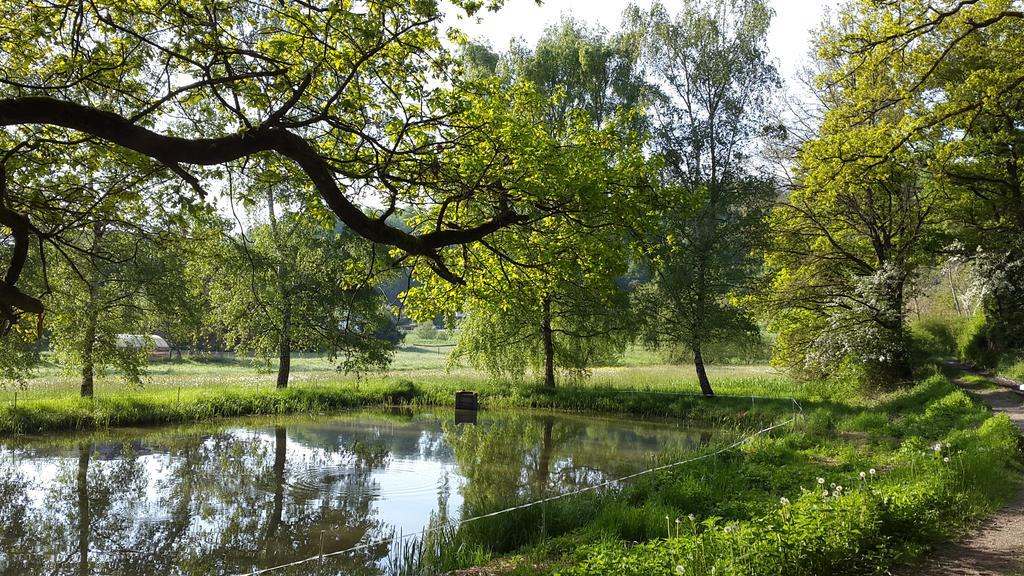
<point x="458" y="523"/>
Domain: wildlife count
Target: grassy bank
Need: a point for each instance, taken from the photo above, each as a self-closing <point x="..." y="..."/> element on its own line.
<point x="169" y="404"/>
<point x="197" y="390"/>
<point x="860" y="485"/>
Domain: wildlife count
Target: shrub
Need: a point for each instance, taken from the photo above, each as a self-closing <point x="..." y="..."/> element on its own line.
<point x="973" y="343"/>
<point x="425" y="331"/>
<point x="935" y="337"/>
<point x="821" y="423"/>
<point x="953" y="411"/>
<point x="389" y="332"/>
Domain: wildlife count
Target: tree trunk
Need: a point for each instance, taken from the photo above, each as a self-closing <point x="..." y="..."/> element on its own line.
<point x="92" y="315"/>
<point x="898" y="365"/>
<point x="956" y="297"/>
<point x="88" y="348"/>
<point x="702" y="375"/>
<point x="697" y="332"/>
<point x="84" y="516"/>
<point x="549" y="343"/>
<point x="285" y="357"/>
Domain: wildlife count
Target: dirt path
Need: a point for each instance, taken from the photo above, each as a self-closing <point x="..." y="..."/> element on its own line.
<point x="997" y="547"/>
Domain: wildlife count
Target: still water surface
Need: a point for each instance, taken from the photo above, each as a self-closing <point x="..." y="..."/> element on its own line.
<point x="252" y="494"/>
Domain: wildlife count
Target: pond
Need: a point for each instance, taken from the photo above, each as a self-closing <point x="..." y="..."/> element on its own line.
<point x="239" y="496"/>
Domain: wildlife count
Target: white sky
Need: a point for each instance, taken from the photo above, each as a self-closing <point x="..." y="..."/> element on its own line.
<point x="788" y="38"/>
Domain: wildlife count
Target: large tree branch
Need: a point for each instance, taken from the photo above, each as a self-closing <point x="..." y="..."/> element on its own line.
<point x="173" y="150"/>
<point x="11" y="298"/>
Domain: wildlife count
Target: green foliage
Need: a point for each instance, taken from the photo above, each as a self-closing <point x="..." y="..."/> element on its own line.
<point x="743" y="348"/>
<point x="17" y="359"/>
<point x="182" y="310"/>
<point x="191" y="405"/>
<point x="360" y="106"/>
<point x="966" y="338"/>
<point x="954" y="411"/>
<point x="821" y="423"/>
<point x="850" y="524"/>
<point x="100" y="296"/>
<point x="390" y="333"/>
<point x="1012" y="367"/>
<point x="47" y="406"/>
<point x="585" y="334"/>
<point x="913" y="499"/>
<point x="885" y="185"/>
<point x="934" y="338"/>
<point x="593" y="72"/>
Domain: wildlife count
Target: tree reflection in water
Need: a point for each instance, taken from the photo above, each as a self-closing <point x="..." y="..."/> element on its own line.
<point x="523" y="458"/>
<point x="231" y="500"/>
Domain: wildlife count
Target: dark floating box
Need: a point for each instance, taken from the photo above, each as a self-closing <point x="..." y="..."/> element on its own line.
<point x="465" y="400"/>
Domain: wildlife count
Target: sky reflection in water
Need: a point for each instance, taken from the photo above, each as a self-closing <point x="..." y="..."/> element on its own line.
<point x="260" y="493"/>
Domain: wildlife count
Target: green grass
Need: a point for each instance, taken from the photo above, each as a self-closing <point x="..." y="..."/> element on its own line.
<point x="916" y="497"/>
<point x="166" y="403"/>
<point x="193" y="390"/>
<point x="1012" y="367"/>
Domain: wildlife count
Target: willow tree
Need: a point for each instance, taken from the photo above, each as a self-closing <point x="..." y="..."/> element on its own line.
<point x="545" y="296"/>
<point x="711" y="66"/>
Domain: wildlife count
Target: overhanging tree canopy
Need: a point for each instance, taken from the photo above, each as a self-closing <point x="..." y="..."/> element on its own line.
<point x="350" y="93"/>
